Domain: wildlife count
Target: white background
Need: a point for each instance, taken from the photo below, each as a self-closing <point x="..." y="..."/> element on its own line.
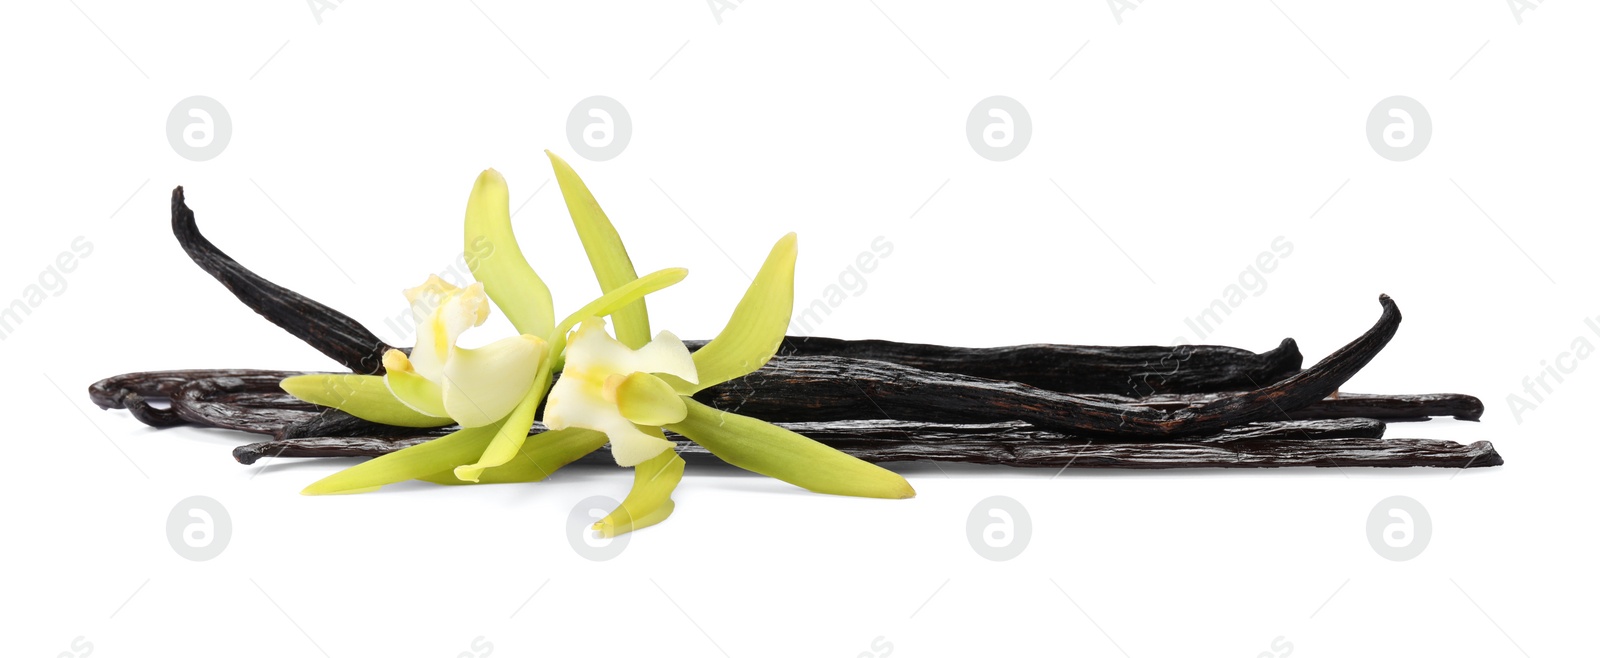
<point x="1191" y="134"/>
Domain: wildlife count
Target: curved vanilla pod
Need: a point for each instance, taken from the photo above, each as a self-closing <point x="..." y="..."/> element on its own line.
<point x="134" y="390"/>
<point x="330" y="332"/>
<point x="830" y="388"/>
<point x="236" y="399"/>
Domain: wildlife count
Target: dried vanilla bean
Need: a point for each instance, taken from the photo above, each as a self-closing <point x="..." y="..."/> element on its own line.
<point x="332" y="422"/>
<point x="1258" y="454"/>
<point x="247" y="401"/>
<point x="1131" y="370"/>
<point x="236" y="399"/>
<point x="133" y="392"/>
<point x="1268" y="454"/>
<point x="831" y="388"/>
<point x="1347" y="442"/>
<point x="331" y="332"/>
<point x="110" y="392"/>
<point x="1395" y="408"/>
<point x="882" y="435"/>
<point x="1165" y="377"/>
<point x="1392" y="408"/>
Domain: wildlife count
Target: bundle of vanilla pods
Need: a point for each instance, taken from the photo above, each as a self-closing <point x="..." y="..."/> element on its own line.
<point x="1029" y="406"/>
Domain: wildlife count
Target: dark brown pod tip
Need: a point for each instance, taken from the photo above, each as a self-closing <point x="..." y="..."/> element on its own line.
<point x="330" y="332"/>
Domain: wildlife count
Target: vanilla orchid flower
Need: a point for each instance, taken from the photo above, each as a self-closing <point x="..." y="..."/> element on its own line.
<point x="493" y="392"/>
<point x="610" y="388"/>
<point x="472" y="386"/>
<point x="627" y="390"/>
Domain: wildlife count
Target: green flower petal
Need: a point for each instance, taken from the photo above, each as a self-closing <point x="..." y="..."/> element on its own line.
<point x="770" y="450"/>
<point x="496" y="260"/>
<point x="411" y="388"/>
<point x="441" y="454"/>
<point x="757" y="326"/>
<point x="650" y="500"/>
<point x="610" y="303"/>
<point x="612" y="267"/>
<point x="362" y="396"/>
<point x="646" y="400"/>
<point x="541" y="455"/>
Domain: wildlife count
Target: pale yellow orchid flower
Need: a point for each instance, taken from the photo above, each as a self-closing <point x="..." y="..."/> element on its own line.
<point x="472" y="386"/>
<point x="610" y="388"/>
